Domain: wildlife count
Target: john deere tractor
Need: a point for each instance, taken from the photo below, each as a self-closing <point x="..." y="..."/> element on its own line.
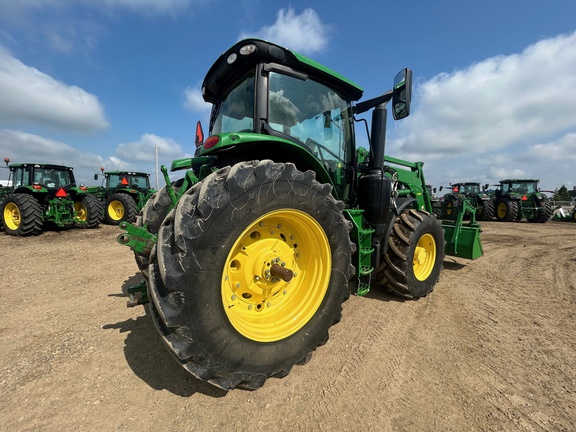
<point x="124" y="194"/>
<point x="521" y="198"/>
<point x="279" y="217"/>
<point x="466" y="191"/>
<point x="44" y="193"/>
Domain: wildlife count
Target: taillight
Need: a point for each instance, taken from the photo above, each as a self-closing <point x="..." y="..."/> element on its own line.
<point x="37" y="187"/>
<point x="211" y="141"/>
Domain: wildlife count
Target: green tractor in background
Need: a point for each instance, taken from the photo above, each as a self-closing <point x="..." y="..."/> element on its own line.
<point x="466" y="191"/>
<point x="124" y="194"/>
<point x="45" y="193"/>
<point x="521" y="198"/>
<point x="279" y="217"/>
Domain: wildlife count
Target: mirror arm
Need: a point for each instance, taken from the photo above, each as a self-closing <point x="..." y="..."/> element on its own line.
<point x="371" y="103"/>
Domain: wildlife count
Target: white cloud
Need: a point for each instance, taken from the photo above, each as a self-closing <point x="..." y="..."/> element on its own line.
<point x="144" y="150"/>
<point x="304" y="33"/>
<point x="23" y="147"/>
<point x="194" y="101"/>
<point x="498" y="102"/>
<point x="492" y="118"/>
<point x="31" y="96"/>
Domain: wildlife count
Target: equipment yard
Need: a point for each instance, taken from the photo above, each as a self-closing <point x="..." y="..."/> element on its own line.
<point x="491" y="348"/>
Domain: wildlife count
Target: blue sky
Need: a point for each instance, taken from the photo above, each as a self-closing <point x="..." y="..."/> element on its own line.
<point x="91" y="83"/>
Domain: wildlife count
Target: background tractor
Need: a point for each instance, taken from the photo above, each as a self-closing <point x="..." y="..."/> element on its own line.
<point x="520" y="198"/>
<point x="279" y="217"/>
<point x="470" y="191"/>
<point x="44" y="193"/>
<point x="124" y="194"/>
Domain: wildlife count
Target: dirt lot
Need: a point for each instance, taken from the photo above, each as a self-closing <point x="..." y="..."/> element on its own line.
<point x="492" y="348"/>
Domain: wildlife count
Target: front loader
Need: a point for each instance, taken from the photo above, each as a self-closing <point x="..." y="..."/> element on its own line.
<point x="279" y="216"/>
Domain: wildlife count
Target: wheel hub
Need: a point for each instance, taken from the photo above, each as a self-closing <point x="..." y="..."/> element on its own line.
<point x="276" y="275"/>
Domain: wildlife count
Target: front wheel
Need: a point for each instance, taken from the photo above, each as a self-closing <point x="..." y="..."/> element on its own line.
<point x="249" y="273"/>
<point x="412" y="264"/>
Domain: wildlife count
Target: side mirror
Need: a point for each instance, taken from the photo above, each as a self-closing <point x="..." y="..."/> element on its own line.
<point x="441" y="187"/>
<point x="402" y="94"/>
<point x="95" y="176"/>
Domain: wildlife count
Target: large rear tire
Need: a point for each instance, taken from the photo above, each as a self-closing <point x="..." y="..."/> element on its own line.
<point x="507" y="210"/>
<point x="412" y="264"/>
<point x="487" y="210"/>
<point x="152" y="215"/>
<point x="120" y="207"/>
<point x="90" y="210"/>
<point x="249" y="272"/>
<point x="545" y="213"/>
<point x="21" y="215"/>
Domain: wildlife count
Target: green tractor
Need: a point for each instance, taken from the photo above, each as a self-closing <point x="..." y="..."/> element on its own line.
<point x="279" y="217"/>
<point x="521" y="198"/>
<point x="124" y="194"/>
<point x="466" y="191"/>
<point x="45" y="193"/>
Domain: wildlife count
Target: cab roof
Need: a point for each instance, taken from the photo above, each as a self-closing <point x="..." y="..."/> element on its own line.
<point x="224" y="72"/>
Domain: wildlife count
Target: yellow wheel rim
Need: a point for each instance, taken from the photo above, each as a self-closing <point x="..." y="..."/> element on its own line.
<point x="260" y="299"/>
<point x="502" y="209"/>
<point x="116" y="210"/>
<point x="424" y="257"/>
<point x="12" y="216"/>
<point x="81" y="211"/>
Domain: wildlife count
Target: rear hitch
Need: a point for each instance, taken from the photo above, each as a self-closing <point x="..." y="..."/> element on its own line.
<point x="137" y="238"/>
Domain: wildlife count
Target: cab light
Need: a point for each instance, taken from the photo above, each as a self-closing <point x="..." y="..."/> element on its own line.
<point x="248" y="49"/>
<point x="61" y="193"/>
<point x="211" y="141"/>
<point x="231" y="58"/>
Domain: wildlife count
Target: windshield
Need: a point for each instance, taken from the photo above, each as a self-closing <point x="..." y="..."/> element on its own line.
<point x="52" y="178"/>
<point x="520" y="187"/>
<point x="469" y="189"/>
<point x="312" y="113"/>
<point x="128" y="181"/>
<point x="236" y="112"/>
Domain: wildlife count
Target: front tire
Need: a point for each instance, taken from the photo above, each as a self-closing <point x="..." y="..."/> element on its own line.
<point x="249" y="273"/>
<point x="412" y="264"/>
